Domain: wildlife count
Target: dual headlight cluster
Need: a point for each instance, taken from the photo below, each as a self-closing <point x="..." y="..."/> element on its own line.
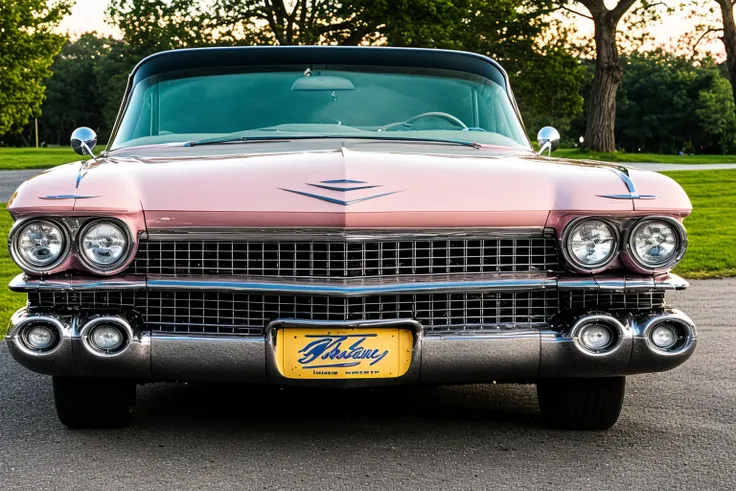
<point x="38" y="246"/>
<point x="653" y="244"/>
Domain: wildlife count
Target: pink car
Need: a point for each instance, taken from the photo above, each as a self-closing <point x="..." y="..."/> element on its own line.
<point x="337" y="218"/>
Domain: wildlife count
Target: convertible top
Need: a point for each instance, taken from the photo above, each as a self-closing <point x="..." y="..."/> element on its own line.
<point x="184" y="59"/>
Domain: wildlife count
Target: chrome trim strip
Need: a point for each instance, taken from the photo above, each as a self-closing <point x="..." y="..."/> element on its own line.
<point x="358" y="286"/>
<point x="23" y="283"/>
<point x="343" y="235"/>
<point x="67" y="196"/>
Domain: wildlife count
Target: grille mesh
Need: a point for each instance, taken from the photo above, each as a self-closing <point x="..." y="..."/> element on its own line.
<point x="346" y="259"/>
<point x="248" y="314"/>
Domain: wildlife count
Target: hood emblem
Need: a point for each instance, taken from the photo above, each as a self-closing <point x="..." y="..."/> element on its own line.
<point x="623" y="173"/>
<point x="341" y="186"/>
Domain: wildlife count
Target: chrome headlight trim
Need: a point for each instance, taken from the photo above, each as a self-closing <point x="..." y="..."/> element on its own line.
<point x="681" y="248"/>
<point x="17" y="256"/>
<point x="106" y="268"/>
<point x="572" y="262"/>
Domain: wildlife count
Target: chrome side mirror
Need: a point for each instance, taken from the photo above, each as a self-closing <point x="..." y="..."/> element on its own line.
<point x="548" y="139"/>
<point x="84" y="140"/>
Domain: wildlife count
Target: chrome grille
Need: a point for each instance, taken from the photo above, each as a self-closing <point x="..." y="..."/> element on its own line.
<point x="588" y="300"/>
<point x="248" y="314"/>
<point x="346" y="258"/>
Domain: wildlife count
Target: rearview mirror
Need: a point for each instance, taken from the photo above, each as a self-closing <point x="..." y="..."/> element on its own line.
<point x="548" y="139"/>
<point x="84" y="140"/>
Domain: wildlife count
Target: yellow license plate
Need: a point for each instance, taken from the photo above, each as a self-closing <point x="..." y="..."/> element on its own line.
<point x="343" y="353"/>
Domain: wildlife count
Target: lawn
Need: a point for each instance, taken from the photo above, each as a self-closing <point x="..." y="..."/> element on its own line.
<point x="576" y="153"/>
<point x="712" y="226"/>
<point x="711" y="231"/>
<point x="36" y="158"/>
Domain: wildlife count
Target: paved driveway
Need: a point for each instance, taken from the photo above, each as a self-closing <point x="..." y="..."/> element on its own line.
<point x="677" y="431"/>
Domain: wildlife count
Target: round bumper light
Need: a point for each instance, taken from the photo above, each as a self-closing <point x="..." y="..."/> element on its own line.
<point x="664" y="336"/>
<point x="596" y="337"/>
<point x="106" y="338"/>
<point x="40" y="337"/>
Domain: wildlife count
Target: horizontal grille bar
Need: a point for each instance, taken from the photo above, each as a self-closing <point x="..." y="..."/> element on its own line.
<point x="369" y="258"/>
<point x="248" y="314"/>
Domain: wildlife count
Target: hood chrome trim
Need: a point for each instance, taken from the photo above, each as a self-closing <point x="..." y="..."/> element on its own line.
<point x="343" y="235"/>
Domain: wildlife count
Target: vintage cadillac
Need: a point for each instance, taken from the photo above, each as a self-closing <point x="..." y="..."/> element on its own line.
<point x="341" y="218"/>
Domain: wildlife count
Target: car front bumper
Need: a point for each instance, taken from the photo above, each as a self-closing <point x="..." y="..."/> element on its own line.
<point x="504" y="354"/>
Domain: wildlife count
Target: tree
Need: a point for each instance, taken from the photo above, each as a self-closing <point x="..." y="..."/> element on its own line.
<point x="545" y="76"/>
<point x="27" y="49"/>
<point x="73" y="94"/>
<point x="600" y="129"/>
<point x="726" y="27"/>
<point x="669" y="103"/>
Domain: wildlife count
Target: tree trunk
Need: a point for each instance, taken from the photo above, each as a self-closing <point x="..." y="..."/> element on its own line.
<point x="599" y="133"/>
<point x="729" y="40"/>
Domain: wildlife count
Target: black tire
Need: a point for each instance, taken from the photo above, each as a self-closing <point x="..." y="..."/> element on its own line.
<point x="94" y="403"/>
<point x="581" y="403"/>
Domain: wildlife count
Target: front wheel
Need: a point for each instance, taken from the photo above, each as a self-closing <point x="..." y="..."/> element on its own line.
<point x="581" y="403"/>
<point x="93" y="402"/>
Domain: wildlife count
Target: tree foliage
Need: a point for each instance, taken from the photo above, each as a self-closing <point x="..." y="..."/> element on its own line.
<point x="27" y="49"/>
<point x="667" y="104"/>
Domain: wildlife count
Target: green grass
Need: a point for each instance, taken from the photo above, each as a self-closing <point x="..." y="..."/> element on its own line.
<point x="711" y="231"/>
<point x="712" y="226"/>
<point x="36" y="158"/>
<point x="9" y="301"/>
<point x="576" y="153"/>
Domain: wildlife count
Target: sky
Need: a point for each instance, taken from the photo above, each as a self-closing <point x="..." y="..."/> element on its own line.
<point x="89" y="15"/>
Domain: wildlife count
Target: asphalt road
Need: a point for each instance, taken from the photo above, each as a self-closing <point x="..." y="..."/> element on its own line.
<point x="677" y="431"/>
<point x="11" y="179"/>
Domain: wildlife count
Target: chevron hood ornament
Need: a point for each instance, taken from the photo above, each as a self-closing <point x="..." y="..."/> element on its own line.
<point x="343" y="186"/>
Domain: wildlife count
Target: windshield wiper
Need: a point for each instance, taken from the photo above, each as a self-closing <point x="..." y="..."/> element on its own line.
<point x="260" y="139"/>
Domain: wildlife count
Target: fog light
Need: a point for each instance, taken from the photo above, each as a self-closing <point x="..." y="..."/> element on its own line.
<point x="596" y="337"/>
<point x="664" y="336"/>
<point x="106" y="338"/>
<point x="40" y="337"/>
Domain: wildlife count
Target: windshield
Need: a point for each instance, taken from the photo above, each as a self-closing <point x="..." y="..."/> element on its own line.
<point x="319" y="101"/>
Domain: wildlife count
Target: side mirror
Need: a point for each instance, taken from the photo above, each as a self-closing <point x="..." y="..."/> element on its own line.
<point x="548" y="139"/>
<point x="84" y="140"/>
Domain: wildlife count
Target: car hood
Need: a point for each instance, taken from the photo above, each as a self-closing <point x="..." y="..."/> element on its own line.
<point x="347" y="186"/>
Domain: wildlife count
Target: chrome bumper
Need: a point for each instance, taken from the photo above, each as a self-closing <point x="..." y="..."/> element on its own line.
<point x="503" y="355"/>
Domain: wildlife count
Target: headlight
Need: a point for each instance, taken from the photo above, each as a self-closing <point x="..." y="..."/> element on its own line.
<point x="590" y="244"/>
<point x="657" y="243"/>
<point x="103" y="244"/>
<point x="39" y="245"/>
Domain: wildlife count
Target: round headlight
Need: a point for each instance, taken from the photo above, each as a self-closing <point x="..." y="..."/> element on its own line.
<point x="39" y="245"/>
<point x="104" y="244"/>
<point x="655" y="243"/>
<point x="591" y="244"/>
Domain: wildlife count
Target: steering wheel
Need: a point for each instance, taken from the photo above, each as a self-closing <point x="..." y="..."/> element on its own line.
<point x="438" y="114"/>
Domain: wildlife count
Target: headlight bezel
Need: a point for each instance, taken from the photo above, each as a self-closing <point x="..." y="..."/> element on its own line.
<point x="101" y="268"/>
<point x="17" y="256"/>
<point x="637" y="263"/>
<point x="578" y="266"/>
